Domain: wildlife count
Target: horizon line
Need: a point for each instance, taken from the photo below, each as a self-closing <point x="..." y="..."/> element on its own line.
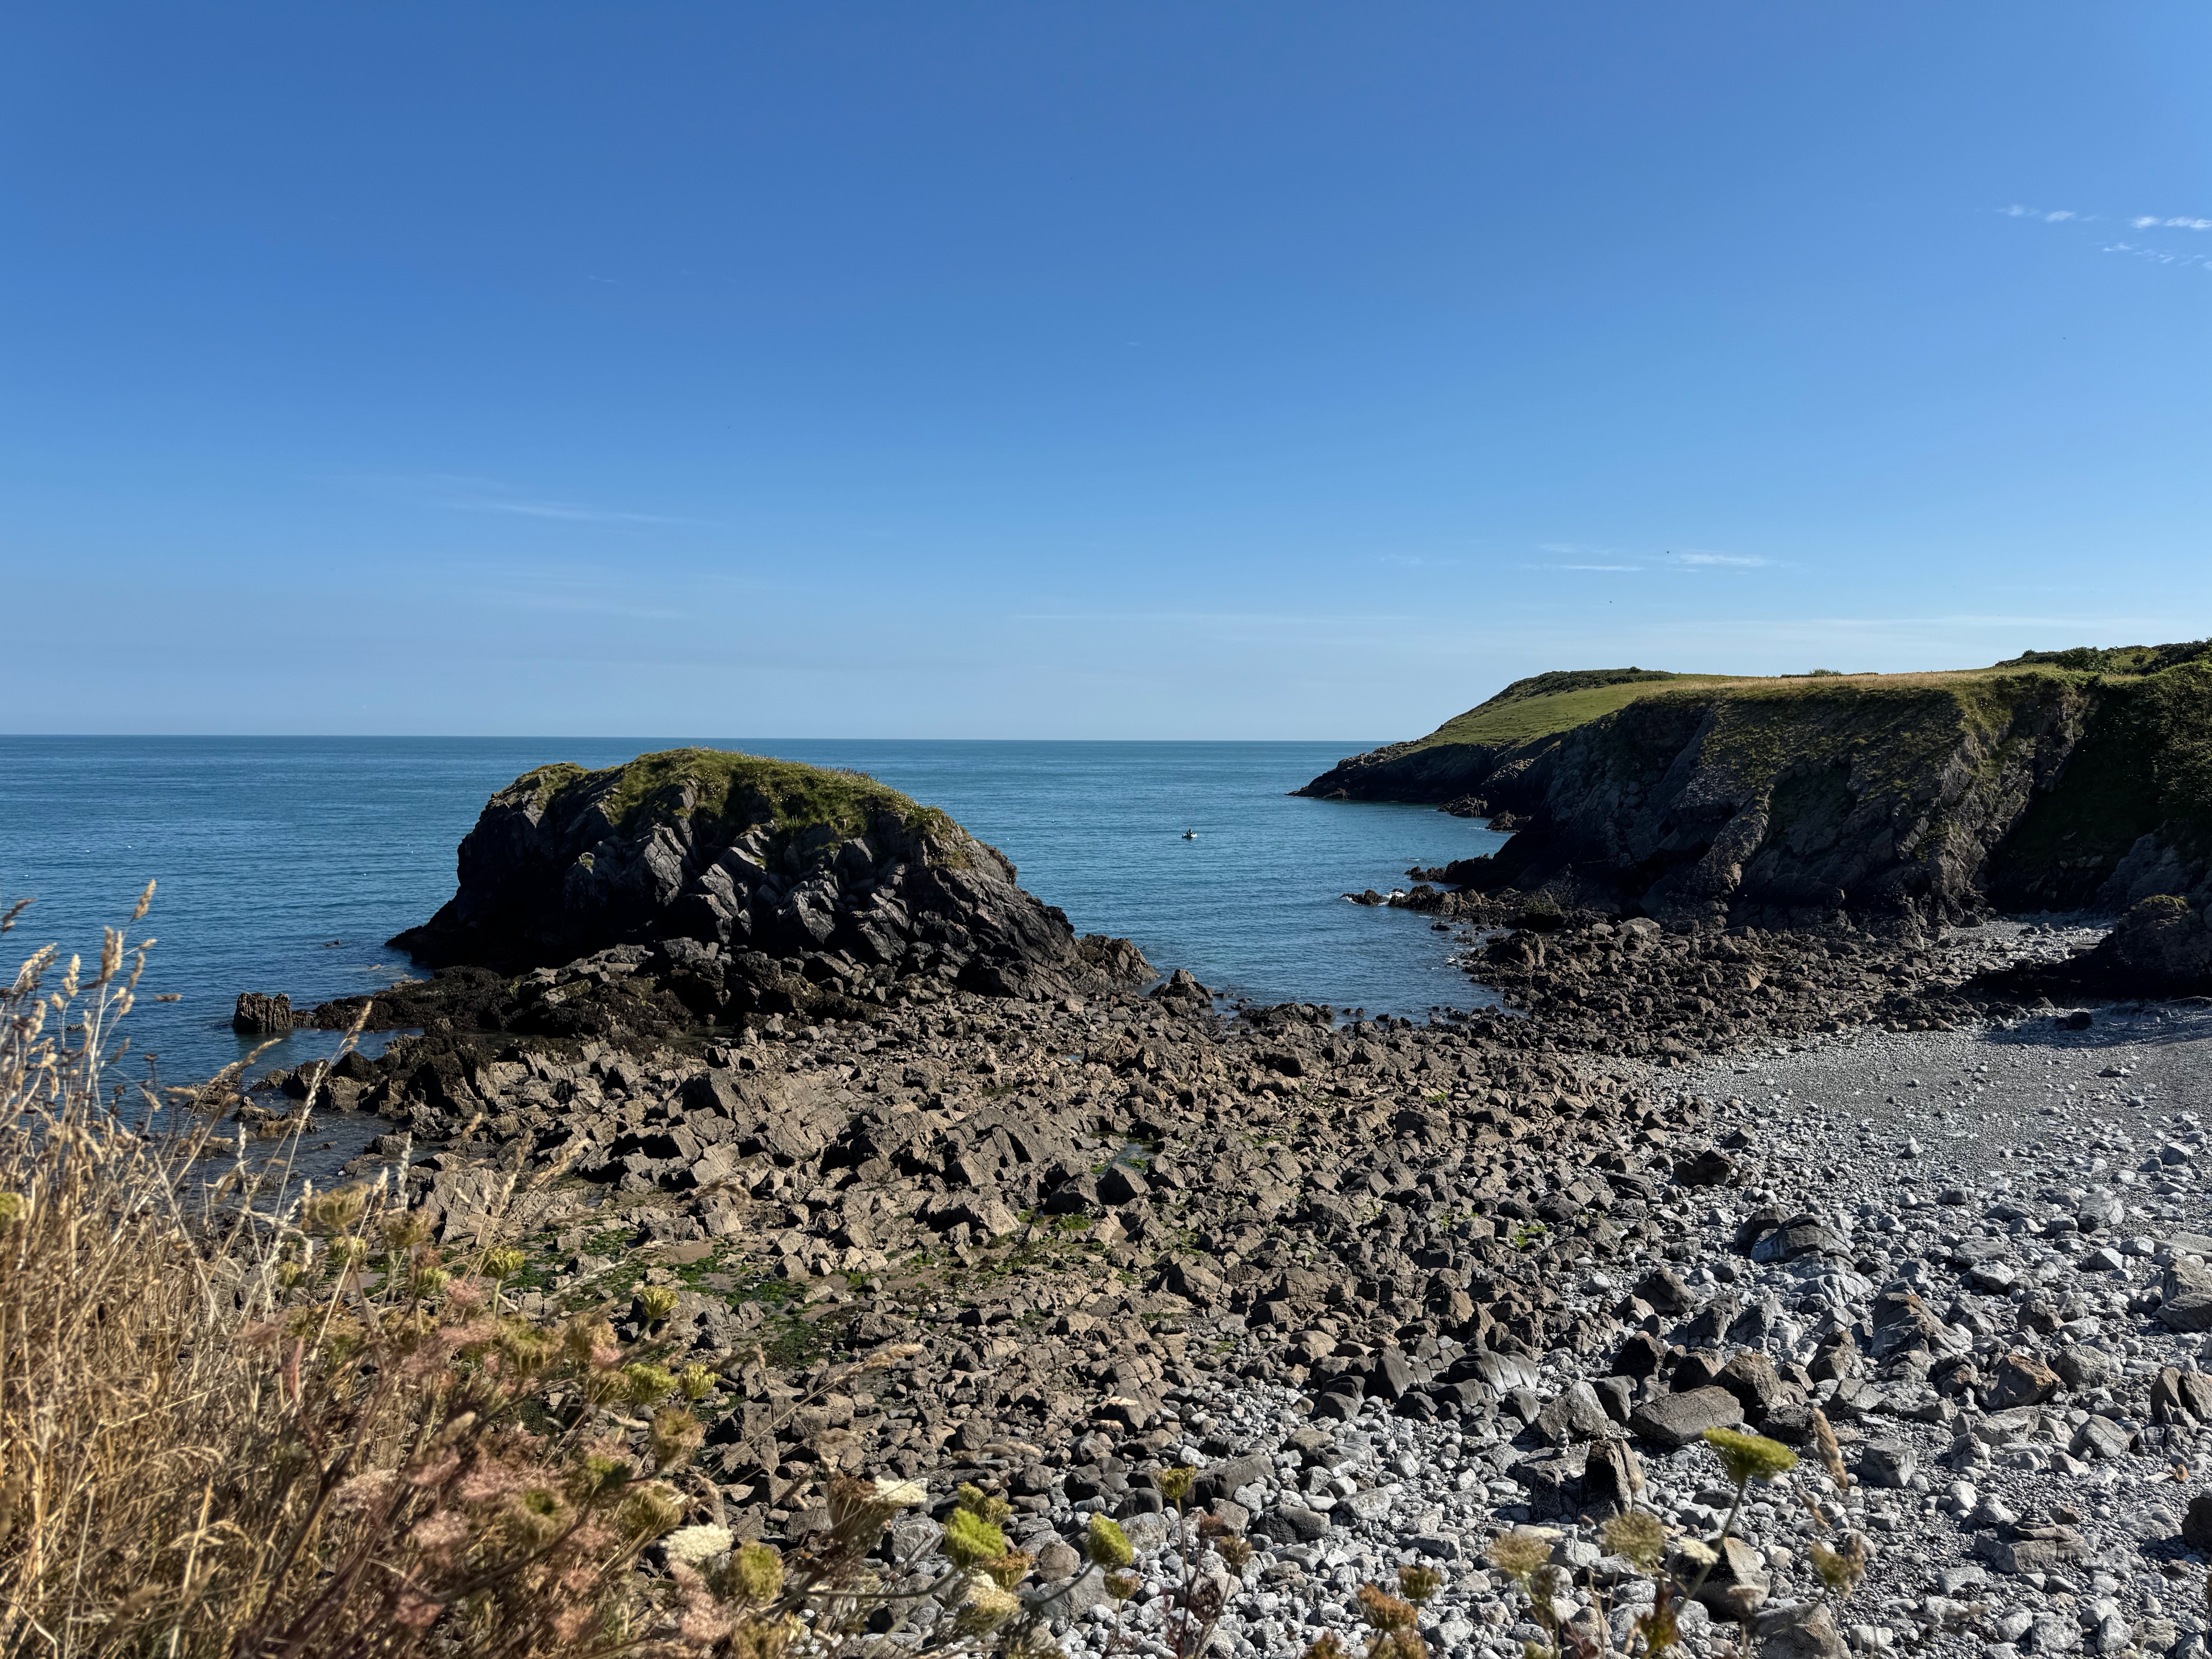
<point x="573" y="736"/>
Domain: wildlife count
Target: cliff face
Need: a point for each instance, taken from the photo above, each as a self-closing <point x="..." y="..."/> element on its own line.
<point x="1413" y="772"/>
<point x="724" y="858"/>
<point x="2031" y="786"/>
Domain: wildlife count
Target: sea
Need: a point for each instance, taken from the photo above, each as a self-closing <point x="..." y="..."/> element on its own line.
<point x="284" y="863"/>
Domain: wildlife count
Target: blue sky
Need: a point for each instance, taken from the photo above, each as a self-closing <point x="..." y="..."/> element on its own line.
<point x="1085" y="370"/>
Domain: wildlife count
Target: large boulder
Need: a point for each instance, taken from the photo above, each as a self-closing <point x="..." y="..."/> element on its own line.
<point x="2160" y="945"/>
<point x="1674" y="1420"/>
<point x="259" y="1014"/>
<point x="1801" y="1630"/>
<point x="733" y="858"/>
<point x="2185" y="1302"/>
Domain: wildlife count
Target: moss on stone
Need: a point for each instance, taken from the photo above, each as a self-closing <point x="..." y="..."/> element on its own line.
<point x="539" y="787"/>
<point x="733" y="791"/>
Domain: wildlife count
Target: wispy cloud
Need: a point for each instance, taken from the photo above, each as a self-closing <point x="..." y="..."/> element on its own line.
<point x="564" y="512"/>
<point x="599" y="591"/>
<point x="2158" y="256"/>
<point x="461" y="492"/>
<point x="1583" y="557"/>
<point x="2140" y="221"/>
<point x="1251" y="619"/>
<point x="581" y="602"/>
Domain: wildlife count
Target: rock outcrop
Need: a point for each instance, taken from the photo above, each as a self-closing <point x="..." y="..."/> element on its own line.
<point x="2035" y="785"/>
<point x="734" y="866"/>
<point x="2161" y="946"/>
<point x="259" y="1014"/>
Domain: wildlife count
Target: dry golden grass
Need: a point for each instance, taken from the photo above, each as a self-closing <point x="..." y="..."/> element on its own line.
<point x="236" y="1424"/>
<point x="230" y="1430"/>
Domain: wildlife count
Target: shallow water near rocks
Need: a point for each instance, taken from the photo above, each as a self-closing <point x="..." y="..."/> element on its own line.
<point x="284" y="863"/>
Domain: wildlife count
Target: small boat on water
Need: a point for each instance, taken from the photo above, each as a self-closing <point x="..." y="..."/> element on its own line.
<point x="1190" y="835"/>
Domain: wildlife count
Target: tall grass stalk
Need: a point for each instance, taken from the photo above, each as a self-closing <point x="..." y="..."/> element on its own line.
<point x="230" y="1427"/>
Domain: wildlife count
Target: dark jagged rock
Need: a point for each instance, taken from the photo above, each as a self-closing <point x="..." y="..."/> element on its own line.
<point x="735" y="868"/>
<point x="2162" y="944"/>
<point x="260" y="1015"/>
<point x="1183" y="991"/>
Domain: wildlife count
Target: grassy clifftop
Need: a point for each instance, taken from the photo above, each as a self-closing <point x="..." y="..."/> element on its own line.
<point x="1545" y="703"/>
<point x="2143" y="769"/>
<point x="2056" y="779"/>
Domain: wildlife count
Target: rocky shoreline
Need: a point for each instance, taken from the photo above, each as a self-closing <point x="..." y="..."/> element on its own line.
<point x="1390" y="1287"/>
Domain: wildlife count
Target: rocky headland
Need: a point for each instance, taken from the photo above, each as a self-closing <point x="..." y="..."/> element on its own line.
<point x="1390" y="1286"/>
<point x="2057" y="781"/>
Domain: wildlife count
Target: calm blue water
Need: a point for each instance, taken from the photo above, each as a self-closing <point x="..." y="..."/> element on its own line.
<point x="284" y="863"/>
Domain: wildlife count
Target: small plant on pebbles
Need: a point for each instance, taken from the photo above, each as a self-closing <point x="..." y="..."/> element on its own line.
<point x="1641" y="1540"/>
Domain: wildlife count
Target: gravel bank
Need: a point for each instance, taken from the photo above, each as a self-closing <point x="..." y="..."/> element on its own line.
<point x="2022" y="1475"/>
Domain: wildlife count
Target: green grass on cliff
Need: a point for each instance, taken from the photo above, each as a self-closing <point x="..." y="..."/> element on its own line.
<point x="1545" y="703"/>
<point x="1820" y="748"/>
<point x="736" y="789"/>
<point x="2117" y="659"/>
